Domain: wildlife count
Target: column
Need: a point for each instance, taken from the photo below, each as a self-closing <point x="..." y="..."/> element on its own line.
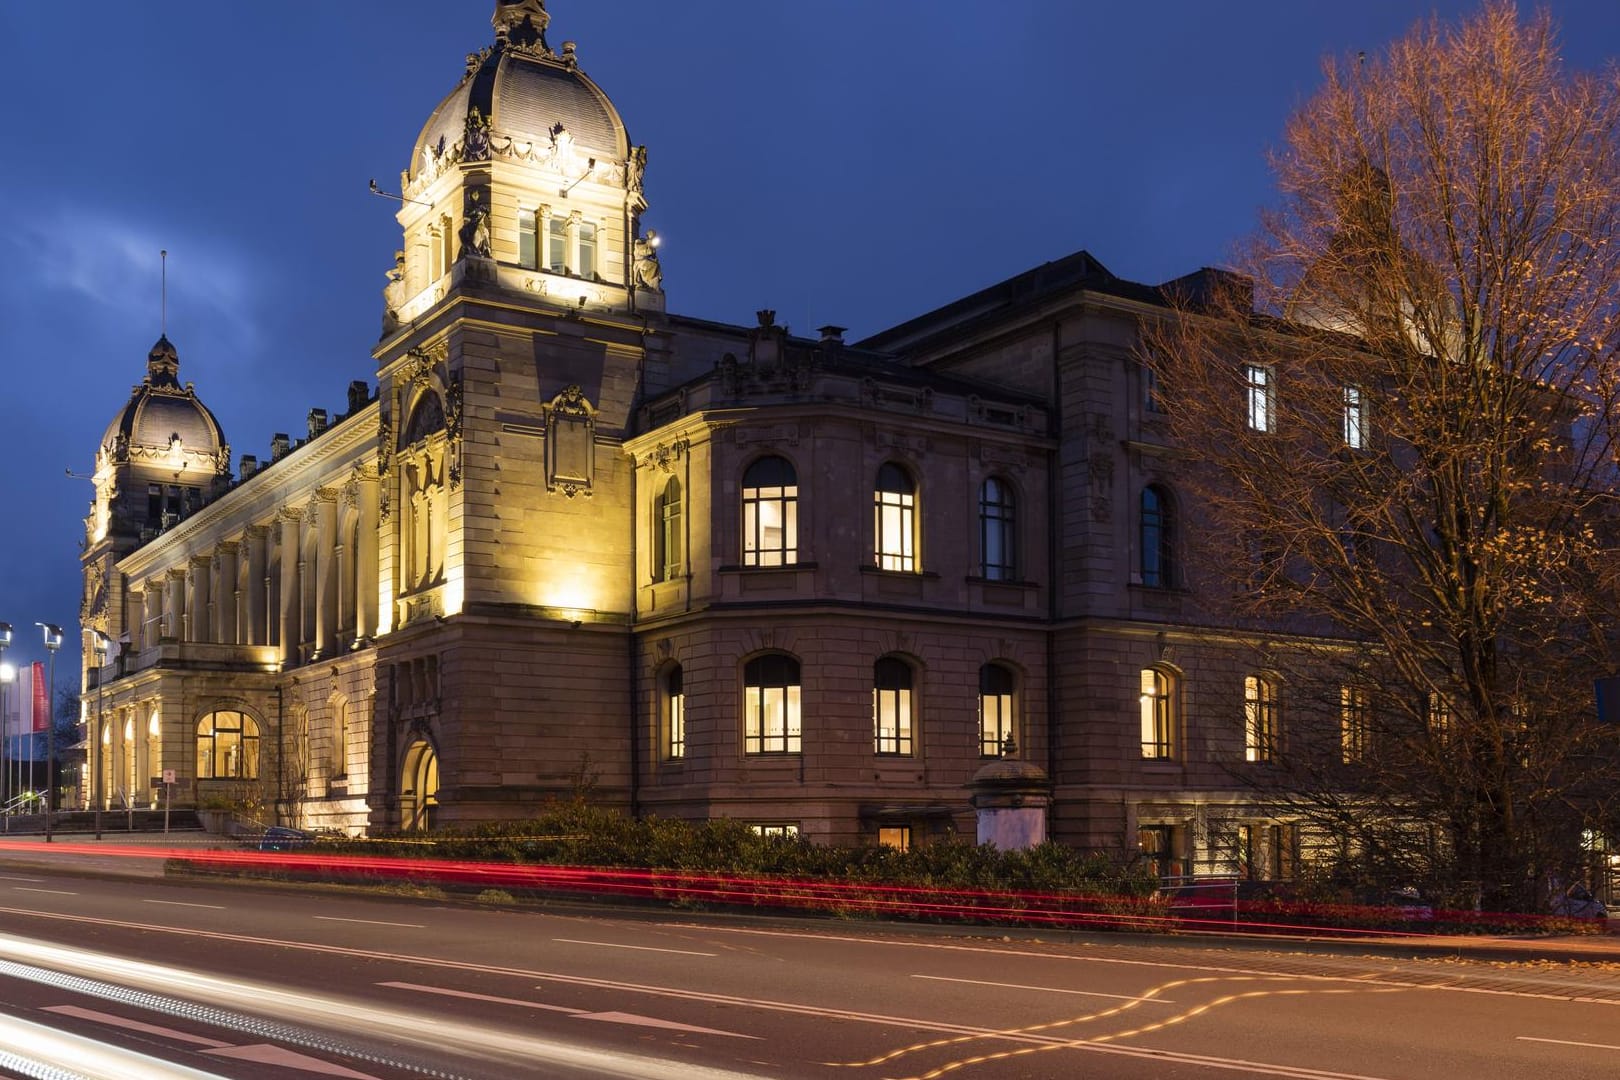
<point x="291" y="623"/>
<point x="255" y="616"/>
<point x="134" y="616"/>
<point x="174" y="605"/>
<point x="227" y="598"/>
<point x="366" y="558"/>
<point x="199" y="614"/>
<point x="326" y="571"/>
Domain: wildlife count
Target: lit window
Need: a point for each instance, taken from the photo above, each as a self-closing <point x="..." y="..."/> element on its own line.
<point x="1352" y="723"/>
<point x="895" y="836"/>
<point x="771" y="705"/>
<point x="770" y="500"/>
<point x="557" y="245"/>
<point x="891" y="706"/>
<point x="1260" y="392"/>
<point x="1355" y="419"/>
<point x="667" y="539"/>
<point x="995" y="709"/>
<point x="775" y="829"/>
<point x="895" y="519"/>
<point x="528" y="240"/>
<point x="1440" y="716"/>
<point x="1259" y="719"/>
<point x="998" y="531"/>
<point x="1158" y="715"/>
<point x="1157" y="844"/>
<point x="1157" y="537"/>
<point x="585" y="239"/>
<point x="674" y="713"/>
<point x="227" y="747"/>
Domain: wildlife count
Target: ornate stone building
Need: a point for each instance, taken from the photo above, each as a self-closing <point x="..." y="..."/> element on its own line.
<point x="576" y="544"/>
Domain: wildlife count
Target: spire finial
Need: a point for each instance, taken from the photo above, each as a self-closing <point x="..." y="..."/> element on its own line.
<point x="163" y="303"/>
<point x="521" y="22"/>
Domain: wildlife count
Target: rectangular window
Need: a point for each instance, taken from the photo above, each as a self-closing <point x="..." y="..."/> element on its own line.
<point x="1157" y="844"/>
<point x="1355" y="419"/>
<point x="1155" y="709"/>
<point x="1152" y="403"/>
<point x="528" y="240"/>
<point x="557" y="246"/>
<point x="1259" y="719"/>
<point x="677" y="715"/>
<point x="891" y="717"/>
<point x="1352" y="724"/>
<point x="896" y="536"/>
<point x="154" y="504"/>
<point x="771" y="723"/>
<point x="1440" y="715"/>
<point x="784" y="830"/>
<point x="770" y="526"/>
<point x="585" y="237"/>
<point x="895" y="836"/>
<point x="1260" y="391"/>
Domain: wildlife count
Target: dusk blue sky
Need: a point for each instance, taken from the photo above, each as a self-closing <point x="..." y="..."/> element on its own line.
<point x="844" y="161"/>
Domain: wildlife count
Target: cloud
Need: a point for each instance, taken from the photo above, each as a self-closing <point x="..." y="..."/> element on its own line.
<point x="115" y="266"/>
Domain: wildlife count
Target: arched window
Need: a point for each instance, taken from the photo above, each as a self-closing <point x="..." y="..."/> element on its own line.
<point x="770" y="504"/>
<point x="419" y="787"/>
<point x="674" y="713"/>
<point x="996" y="684"/>
<point x="1261" y="720"/>
<point x="892" y="706"/>
<point x="1157" y="537"/>
<point x="1158" y="713"/>
<point x="337" y="762"/>
<point x="894" y="511"/>
<point x="771" y="705"/>
<point x="227" y="747"/>
<point x="997" y="531"/>
<point x="667" y="534"/>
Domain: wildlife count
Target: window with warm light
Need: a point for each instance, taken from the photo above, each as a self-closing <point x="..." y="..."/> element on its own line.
<point x="996" y="685"/>
<point x="771" y="705"/>
<point x="1157" y="704"/>
<point x="1440" y="714"/>
<point x="895" y="836"/>
<point x="1260" y="718"/>
<point x="1352" y="724"/>
<point x="997" y="531"/>
<point x="227" y="747"/>
<point x="895" y="519"/>
<point x="667" y="536"/>
<point x="674" y="713"/>
<point x="776" y="830"/>
<point x="891" y="706"/>
<point x="770" y="505"/>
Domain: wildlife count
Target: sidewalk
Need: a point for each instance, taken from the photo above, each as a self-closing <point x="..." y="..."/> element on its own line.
<point x="145" y="855"/>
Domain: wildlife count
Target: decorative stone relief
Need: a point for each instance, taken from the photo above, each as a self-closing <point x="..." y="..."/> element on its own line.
<point x="1100" y="470"/>
<point x="664" y="457"/>
<point x="475" y="143"/>
<point x="570" y="444"/>
<point x="475" y="225"/>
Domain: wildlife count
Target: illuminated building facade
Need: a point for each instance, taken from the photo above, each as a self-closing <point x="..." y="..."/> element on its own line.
<point x="574" y="544"/>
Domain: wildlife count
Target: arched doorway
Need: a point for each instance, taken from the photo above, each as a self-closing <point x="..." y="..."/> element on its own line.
<point x="419" y="787"/>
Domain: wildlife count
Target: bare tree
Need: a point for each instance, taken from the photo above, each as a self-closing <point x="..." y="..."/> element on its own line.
<point x="1400" y="416"/>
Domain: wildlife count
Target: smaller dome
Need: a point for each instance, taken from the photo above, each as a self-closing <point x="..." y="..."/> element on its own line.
<point x="164" y="419"/>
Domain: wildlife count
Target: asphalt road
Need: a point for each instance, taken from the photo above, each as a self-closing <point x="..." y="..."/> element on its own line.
<point x="224" y="979"/>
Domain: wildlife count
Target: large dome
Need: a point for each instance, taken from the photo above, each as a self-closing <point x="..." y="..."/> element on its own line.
<point x="159" y="412"/>
<point x="524" y="95"/>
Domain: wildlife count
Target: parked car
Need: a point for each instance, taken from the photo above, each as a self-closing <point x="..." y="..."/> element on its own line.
<point x="282" y="838"/>
<point x="1577" y="902"/>
<point x="1410" y="905"/>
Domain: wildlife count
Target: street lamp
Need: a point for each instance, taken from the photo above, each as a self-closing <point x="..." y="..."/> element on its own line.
<point x="5" y="778"/>
<point x="53" y="641"/>
<point x="99" y="644"/>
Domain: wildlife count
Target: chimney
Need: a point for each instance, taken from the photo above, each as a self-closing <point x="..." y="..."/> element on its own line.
<point x="250" y="465"/>
<point x="317" y="422"/>
<point x="359" y="395"/>
<point x="280" y="444"/>
<point x="832" y="335"/>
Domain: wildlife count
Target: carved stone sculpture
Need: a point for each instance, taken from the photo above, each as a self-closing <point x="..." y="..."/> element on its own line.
<point x="649" y="274"/>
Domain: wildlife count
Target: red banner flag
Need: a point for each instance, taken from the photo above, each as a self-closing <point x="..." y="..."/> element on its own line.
<point x="42" y="700"/>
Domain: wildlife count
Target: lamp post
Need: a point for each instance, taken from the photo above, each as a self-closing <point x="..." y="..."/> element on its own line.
<point x="5" y="779"/>
<point x="99" y="644"/>
<point x="53" y="641"/>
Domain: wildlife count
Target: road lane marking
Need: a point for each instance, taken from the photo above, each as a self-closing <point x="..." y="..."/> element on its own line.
<point x="638" y="948"/>
<point x="370" y="922"/>
<point x="266" y="1054"/>
<point x="182" y="903"/>
<point x="9" y="877"/>
<point x="1047" y="989"/>
<point x="444" y="991"/>
<point x="1567" y="1042"/>
<point x="53" y="892"/>
<point x="133" y="1025"/>
<point x="637" y="1020"/>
